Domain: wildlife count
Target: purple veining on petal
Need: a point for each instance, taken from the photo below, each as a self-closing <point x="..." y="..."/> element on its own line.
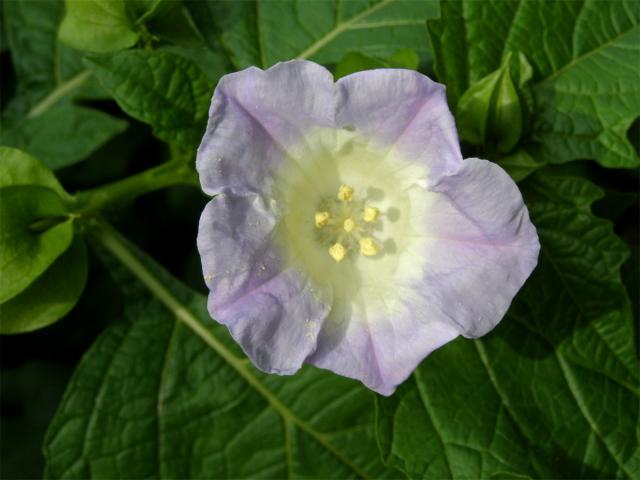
<point x="384" y="358"/>
<point x="484" y="246"/>
<point x="271" y="310"/>
<point x="256" y="116"/>
<point x="406" y="110"/>
<point x="276" y="323"/>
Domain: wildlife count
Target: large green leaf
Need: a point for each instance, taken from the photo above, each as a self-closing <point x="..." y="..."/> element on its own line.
<point x="584" y="54"/>
<point x="28" y="242"/>
<point x="49" y="74"/>
<point x="51" y="296"/>
<point x="265" y="32"/>
<point x="167" y="91"/>
<point x="64" y="134"/>
<point x="53" y="293"/>
<point x="553" y="391"/>
<point x="167" y="394"/>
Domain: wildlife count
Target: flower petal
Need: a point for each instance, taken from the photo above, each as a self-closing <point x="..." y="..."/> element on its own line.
<point x="380" y="352"/>
<point x="270" y="309"/>
<point x="404" y="110"/>
<point x="478" y="248"/>
<point x="257" y="119"/>
<point x="481" y="248"/>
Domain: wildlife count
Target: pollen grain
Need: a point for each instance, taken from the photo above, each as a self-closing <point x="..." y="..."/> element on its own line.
<point x="345" y="193"/>
<point x="322" y="218"/>
<point x="338" y="252"/>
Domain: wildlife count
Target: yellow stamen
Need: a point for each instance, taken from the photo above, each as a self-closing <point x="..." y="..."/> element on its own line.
<point x="368" y="247"/>
<point x="322" y="218"/>
<point x="345" y="193"/>
<point x="370" y="214"/>
<point x="338" y="252"/>
<point x="348" y="225"/>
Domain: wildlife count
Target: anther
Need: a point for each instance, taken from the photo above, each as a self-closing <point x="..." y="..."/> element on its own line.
<point x="345" y="193"/>
<point x="370" y="214"/>
<point x="338" y="252"/>
<point x="368" y="247"/>
<point x="348" y="225"/>
<point x="322" y="218"/>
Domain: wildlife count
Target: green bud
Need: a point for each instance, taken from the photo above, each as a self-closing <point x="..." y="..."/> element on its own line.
<point x="491" y="111"/>
<point x="472" y="113"/>
<point x="505" y="114"/>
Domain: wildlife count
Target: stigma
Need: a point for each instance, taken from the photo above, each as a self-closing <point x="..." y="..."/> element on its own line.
<point x="348" y="225"/>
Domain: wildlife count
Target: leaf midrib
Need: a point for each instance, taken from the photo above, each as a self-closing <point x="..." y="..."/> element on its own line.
<point x="57" y="93"/>
<point x="117" y="247"/>
<point x="341" y="28"/>
<point x="577" y="397"/>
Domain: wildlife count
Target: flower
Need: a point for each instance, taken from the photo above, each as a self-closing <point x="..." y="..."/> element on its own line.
<point x="346" y="230"/>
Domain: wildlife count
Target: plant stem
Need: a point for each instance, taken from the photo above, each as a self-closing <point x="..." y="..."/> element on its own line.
<point x="117" y="246"/>
<point x="162" y="176"/>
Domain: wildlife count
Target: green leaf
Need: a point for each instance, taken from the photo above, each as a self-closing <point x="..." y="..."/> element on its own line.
<point x="51" y="296"/>
<point x="553" y="391"/>
<point x="214" y="63"/>
<point x="450" y="49"/>
<point x="156" y="87"/>
<point x="519" y="164"/>
<point x="167" y="394"/>
<point x="40" y="63"/>
<point x="229" y="24"/>
<point x="169" y="20"/>
<point x="583" y="54"/>
<point x="97" y="26"/>
<point x="356" y="62"/>
<point x="49" y="75"/>
<point x="145" y="10"/>
<point x="264" y="32"/>
<point x="64" y="134"/>
<point x="53" y="293"/>
<point x="34" y="231"/>
<point x="20" y="168"/>
<point x="405" y="58"/>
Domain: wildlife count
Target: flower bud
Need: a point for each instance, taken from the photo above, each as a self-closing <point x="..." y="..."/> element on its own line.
<point x="491" y="111"/>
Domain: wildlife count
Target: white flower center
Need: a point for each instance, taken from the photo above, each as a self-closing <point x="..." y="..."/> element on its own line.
<point x="352" y="217"/>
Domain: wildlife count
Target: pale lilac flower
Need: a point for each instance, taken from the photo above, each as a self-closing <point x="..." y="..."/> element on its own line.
<point x="346" y="230"/>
